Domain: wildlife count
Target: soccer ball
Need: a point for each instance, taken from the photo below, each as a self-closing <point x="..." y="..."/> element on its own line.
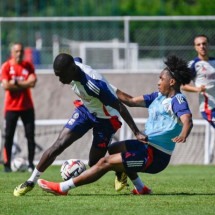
<point x="71" y="169"/>
<point x="19" y="165"/>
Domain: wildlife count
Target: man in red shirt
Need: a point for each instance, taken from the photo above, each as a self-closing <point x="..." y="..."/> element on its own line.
<point x="17" y="77"/>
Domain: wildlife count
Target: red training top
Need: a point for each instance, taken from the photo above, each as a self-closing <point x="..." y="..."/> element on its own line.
<point x="22" y="99"/>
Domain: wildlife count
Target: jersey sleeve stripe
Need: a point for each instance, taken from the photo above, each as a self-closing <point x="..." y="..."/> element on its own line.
<point x="94" y="88"/>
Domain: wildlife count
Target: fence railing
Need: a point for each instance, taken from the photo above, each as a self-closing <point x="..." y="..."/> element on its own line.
<point x="199" y="148"/>
<point x="129" y="44"/>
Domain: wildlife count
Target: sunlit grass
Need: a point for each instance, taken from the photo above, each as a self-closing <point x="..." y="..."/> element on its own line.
<point x="183" y="190"/>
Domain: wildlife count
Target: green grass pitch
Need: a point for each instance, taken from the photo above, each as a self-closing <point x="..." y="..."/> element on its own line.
<point x="181" y="190"/>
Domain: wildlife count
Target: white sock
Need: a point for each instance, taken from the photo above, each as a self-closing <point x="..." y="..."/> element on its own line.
<point x="138" y="184"/>
<point x="35" y="176"/>
<point x="67" y="185"/>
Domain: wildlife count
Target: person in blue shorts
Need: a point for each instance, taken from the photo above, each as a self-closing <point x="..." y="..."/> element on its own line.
<point x="98" y="109"/>
<point x="169" y="122"/>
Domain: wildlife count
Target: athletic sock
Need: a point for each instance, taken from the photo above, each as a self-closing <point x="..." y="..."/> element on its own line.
<point x="35" y="176"/>
<point x="67" y="185"/>
<point x="138" y="184"/>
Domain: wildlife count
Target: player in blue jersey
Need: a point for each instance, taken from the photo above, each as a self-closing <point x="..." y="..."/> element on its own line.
<point x="98" y="109"/>
<point x="169" y="122"/>
<point x="203" y="72"/>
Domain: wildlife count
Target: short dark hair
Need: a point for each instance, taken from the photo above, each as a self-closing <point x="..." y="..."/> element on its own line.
<point x="178" y="69"/>
<point x="200" y="35"/>
<point x="63" y="61"/>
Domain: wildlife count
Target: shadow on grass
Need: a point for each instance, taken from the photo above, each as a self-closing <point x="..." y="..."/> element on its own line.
<point x="153" y="194"/>
<point x="183" y="194"/>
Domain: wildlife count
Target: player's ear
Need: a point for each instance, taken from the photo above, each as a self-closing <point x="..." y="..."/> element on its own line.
<point x="172" y="82"/>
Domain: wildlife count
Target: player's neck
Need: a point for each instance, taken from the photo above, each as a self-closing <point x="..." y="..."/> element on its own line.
<point x="204" y="58"/>
<point x="77" y="74"/>
<point x="173" y="92"/>
<point x="13" y="61"/>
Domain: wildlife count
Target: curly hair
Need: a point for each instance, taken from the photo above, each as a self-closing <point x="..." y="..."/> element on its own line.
<point x="178" y="69"/>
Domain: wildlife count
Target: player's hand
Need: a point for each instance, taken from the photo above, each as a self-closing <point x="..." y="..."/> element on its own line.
<point x="142" y="138"/>
<point x="179" y="139"/>
<point x="202" y="88"/>
<point x="13" y="81"/>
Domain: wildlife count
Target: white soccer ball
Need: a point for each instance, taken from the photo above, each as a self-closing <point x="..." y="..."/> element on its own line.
<point x="71" y="169"/>
<point x="19" y="165"/>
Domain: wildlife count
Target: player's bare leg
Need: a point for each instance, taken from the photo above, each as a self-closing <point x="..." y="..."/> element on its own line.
<point x="65" y="139"/>
<point x="112" y="162"/>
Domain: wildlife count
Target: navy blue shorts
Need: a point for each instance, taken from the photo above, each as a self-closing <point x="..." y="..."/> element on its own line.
<point x="144" y="158"/>
<point x="103" y="129"/>
<point x="209" y="116"/>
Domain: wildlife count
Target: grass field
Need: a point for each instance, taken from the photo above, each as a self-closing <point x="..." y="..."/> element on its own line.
<point x="185" y="190"/>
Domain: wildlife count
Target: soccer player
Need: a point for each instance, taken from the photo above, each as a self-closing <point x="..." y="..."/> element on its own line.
<point x="17" y="78"/>
<point x="99" y="109"/>
<point x="203" y="72"/>
<point x="169" y="122"/>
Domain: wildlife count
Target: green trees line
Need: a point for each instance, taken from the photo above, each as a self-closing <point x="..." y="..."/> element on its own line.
<point x="23" y="8"/>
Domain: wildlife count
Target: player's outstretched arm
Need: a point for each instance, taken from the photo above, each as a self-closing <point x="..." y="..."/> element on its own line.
<point x="129" y="100"/>
<point x="192" y="88"/>
<point x="187" y="122"/>
<point x="129" y="120"/>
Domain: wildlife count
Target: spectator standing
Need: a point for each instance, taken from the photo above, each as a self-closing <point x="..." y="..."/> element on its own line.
<point x="18" y="77"/>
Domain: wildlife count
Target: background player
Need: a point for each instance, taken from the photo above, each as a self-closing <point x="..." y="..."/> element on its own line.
<point x="203" y="72"/>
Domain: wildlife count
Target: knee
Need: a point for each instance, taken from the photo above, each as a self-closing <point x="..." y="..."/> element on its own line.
<point x="117" y="147"/>
<point x="95" y="156"/>
<point x="103" y="163"/>
<point x="29" y="135"/>
<point x="92" y="162"/>
<point x="99" y="162"/>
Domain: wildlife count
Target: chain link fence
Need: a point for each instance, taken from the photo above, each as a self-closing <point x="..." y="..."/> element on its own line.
<point x="106" y="43"/>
